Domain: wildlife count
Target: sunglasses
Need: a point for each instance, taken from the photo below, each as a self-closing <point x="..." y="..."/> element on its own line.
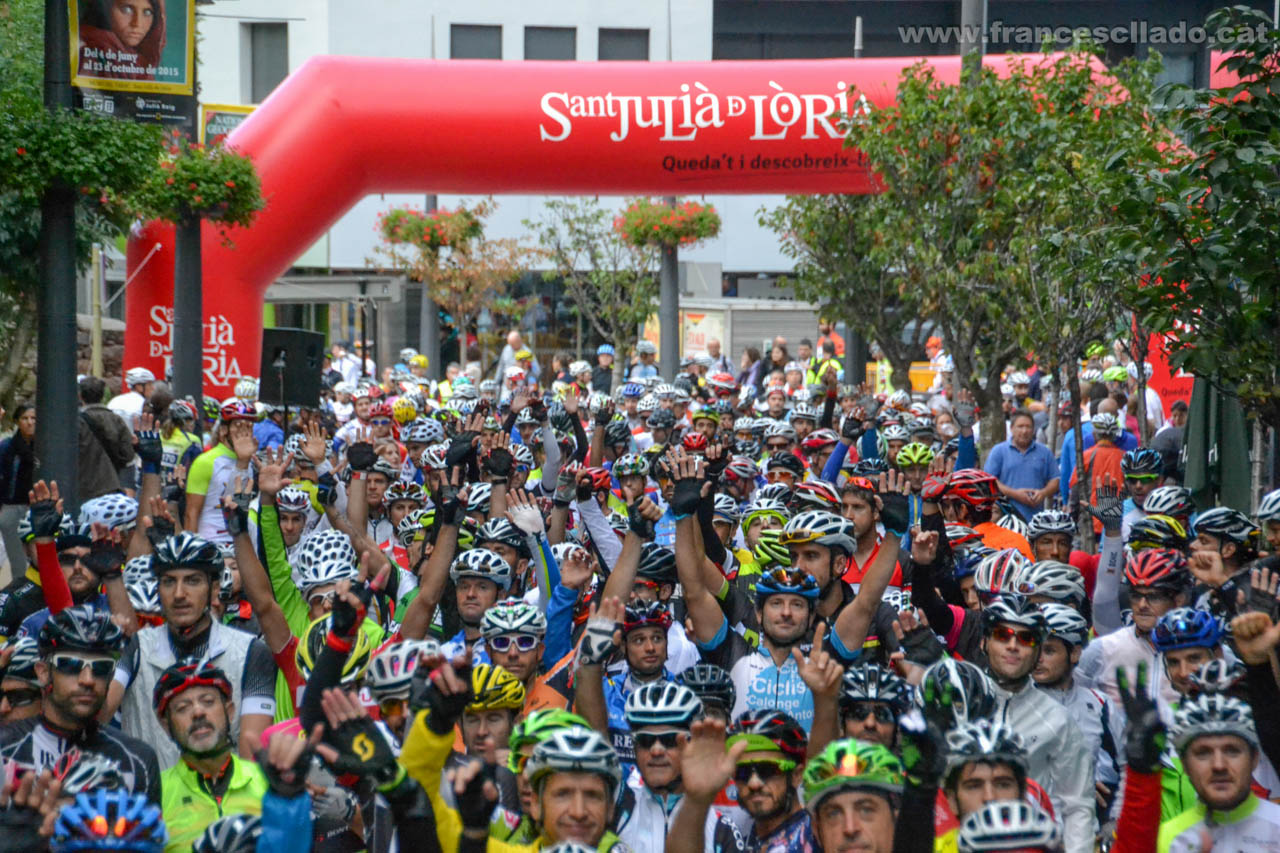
<point x="1025" y="637"/>
<point x="322" y="597"/>
<point x="860" y="483"/>
<point x="522" y="642"/>
<point x="380" y="421"/>
<point x="1153" y="595"/>
<point x="392" y="707"/>
<point x="20" y="697"/>
<point x="1141" y="477"/>
<point x="766" y="770"/>
<point x="68" y="560"/>
<point x="102" y="668"/>
<point x="860" y="711"/>
<point x="645" y="741"/>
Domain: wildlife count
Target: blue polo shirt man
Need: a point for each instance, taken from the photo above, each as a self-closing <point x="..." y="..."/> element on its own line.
<point x="1026" y="470"/>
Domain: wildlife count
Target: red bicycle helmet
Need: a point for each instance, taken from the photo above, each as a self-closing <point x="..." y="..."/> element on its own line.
<point x="184" y="675"/>
<point x="815" y="494"/>
<point x="1157" y="567"/>
<point x="235" y="409"/>
<point x="976" y="488"/>
<point x="640" y="615"/>
<point x="770" y="731"/>
<point x="381" y="409"/>
<point x="601" y="479"/>
<point x="694" y="442"/>
<point x="819" y="439"/>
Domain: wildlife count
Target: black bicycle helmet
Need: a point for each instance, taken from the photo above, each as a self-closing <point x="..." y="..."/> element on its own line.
<point x="657" y="564"/>
<point x="186" y="551"/>
<point x="711" y="684"/>
<point x="81" y="628"/>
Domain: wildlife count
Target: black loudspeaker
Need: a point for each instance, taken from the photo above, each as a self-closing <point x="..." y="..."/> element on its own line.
<point x="290" y="370"/>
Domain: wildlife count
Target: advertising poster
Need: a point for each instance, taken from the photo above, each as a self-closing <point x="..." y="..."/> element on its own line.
<point x="218" y="120"/>
<point x="700" y="327"/>
<point x="133" y="45"/>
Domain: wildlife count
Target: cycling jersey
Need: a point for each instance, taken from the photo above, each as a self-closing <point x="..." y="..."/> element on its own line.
<point x="1054" y="758"/>
<point x="32" y="624"/>
<point x="643" y="818"/>
<point x="1252" y="826"/>
<point x="616" y="690"/>
<point x="35" y="744"/>
<point x="1123" y="648"/>
<point x="1100" y="722"/>
<point x="795" y="835"/>
<point x="212" y="474"/>
<point x="22" y="597"/>
<point x="189" y="805"/>
<point x="759" y="682"/>
<point x="180" y="448"/>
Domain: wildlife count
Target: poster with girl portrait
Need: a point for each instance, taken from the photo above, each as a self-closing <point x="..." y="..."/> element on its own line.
<point x="133" y="45"/>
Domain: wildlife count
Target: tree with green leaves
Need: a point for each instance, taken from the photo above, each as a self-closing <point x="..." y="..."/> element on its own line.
<point x="611" y="283"/>
<point x="989" y="217"/>
<point x="105" y="160"/>
<point x="1204" y="222"/>
<point x="830" y="238"/>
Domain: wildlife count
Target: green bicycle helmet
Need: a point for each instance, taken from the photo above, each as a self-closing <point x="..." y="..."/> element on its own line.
<point x="770" y="550"/>
<point x="915" y="453"/>
<point x="536" y="728"/>
<point x="850" y="765"/>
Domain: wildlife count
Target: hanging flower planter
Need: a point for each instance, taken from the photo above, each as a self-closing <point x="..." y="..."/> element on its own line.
<point x="646" y="222"/>
<point x="197" y="182"/>
<point x="439" y="229"/>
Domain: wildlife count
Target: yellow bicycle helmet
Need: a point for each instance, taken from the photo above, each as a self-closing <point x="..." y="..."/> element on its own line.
<point x="312" y="643"/>
<point x="419" y="361"/>
<point x="495" y="689"/>
<point x="404" y="411"/>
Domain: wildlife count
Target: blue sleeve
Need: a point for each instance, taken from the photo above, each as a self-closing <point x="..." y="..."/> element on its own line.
<point x="286" y="824"/>
<point x="559" y="637"/>
<point x="1066" y="464"/>
<point x="835" y="462"/>
<point x="869" y="446"/>
<point x="967" y="455"/>
<point x="546" y="569"/>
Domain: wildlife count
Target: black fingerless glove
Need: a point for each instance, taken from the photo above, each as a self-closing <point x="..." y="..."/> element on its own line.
<point x="687" y="496"/>
<point x="474" y="808"/>
<point x="327" y="490"/>
<point x="45" y="519"/>
<point x="452" y="510"/>
<point x="363" y="751"/>
<point x="360" y="456"/>
<point x="640" y="525"/>
<point x="105" y="559"/>
<point x="924" y="752"/>
<point x="160" y="530"/>
<point x="921" y="646"/>
<point x="896" y="512"/>
<point x="499" y="464"/>
<point x="236" y="518"/>
<point x="460" y="450"/>
<point x="443" y="712"/>
<point x="344" y="619"/>
<point x="290" y="782"/>
<point x="20" y="831"/>
<point x="149" y="450"/>
<point x="172" y="493"/>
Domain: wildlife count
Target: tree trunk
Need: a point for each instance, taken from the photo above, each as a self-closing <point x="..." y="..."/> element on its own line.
<point x="900" y="372"/>
<point x="1051" y="433"/>
<point x="19" y="346"/>
<point x="991" y="404"/>
<point x="1079" y="495"/>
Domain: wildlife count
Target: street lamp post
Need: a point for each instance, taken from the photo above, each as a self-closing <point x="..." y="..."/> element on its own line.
<point x="56" y="400"/>
<point x="669" y="308"/>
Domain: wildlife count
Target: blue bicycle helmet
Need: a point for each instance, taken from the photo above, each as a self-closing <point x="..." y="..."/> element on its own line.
<point x="967" y="561"/>
<point x="783" y="581"/>
<point x="1187" y="628"/>
<point x="109" y="820"/>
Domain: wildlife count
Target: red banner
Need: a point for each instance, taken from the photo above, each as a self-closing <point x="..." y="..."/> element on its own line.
<point x="341" y="128"/>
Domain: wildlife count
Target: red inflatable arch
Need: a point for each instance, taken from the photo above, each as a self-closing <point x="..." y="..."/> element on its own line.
<point x="341" y="128"/>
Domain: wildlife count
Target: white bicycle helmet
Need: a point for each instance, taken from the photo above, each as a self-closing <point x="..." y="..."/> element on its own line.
<point x="574" y="749"/>
<point x="1013" y="521"/>
<point x="1176" y="501"/>
<point x="1048" y="521"/>
<point x="324" y="557"/>
<point x="1059" y="581"/>
<point x="138" y="376"/>
<point x="662" y="703"/>
<point x="1066" y="624"/>
<point x="821" y="527"/>
<point x="246" y="388"/>
<point x="433" y="457"/>
<point x="522" y="455"/>
<point x="648" y="404"/>
<point x="984" y="740"/>
<point x="82" y="772"/>
<point x="997" y="571"/>
<point x="478" y="495"/>
<point x="423" y="431"/>
<point x="292" y="499"/>
<point x="1009" y="825"/>
<point x="513" y="616"/>
<point x="114" y="510"/>
<point x="137" y="568"/>
<point x="777" y="429"/>
<point x="414" y="521"/>
<point x="144" y="595"/>
<point x="1212" y="714"/>
<point x="481" y="563"/>
<point x="391" y="671"/>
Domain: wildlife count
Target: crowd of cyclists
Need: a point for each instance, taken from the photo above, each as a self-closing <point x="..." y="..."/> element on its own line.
<point x="683" y="615"/>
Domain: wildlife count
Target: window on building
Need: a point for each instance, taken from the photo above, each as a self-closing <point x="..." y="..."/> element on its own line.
<point x="268" y="59"/>
<point x="550" y="43"/>
<point x="624" y="44"/>
<point x="475" y="41"/>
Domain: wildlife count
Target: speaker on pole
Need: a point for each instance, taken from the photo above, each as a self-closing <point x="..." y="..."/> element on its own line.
<point x="290" y="370"/>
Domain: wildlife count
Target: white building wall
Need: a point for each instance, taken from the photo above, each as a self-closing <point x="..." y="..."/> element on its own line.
<point x="420" y="29"/>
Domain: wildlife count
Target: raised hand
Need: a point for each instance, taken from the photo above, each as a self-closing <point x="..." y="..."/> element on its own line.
<point x="821" y="673"/>
<point x="1255" y="637"/>
<point x="576" y="569"/>
<point x="603" y="634"/>
<point x="688" y="475"/>
<point x="106" y="554"/>
<point x="965" y="411"/>
<point x="354" y="743"/>
<point x="708" y="766"/>
<point x="642" y="515"/>
<point x="244" y="445"/>
<point x="286" y="761"/>
<point x="1208" y="568"/>
<point x="1145" y="736"/>
<point x="1263" y="592"/>
<point x="45" y="511"/>
<point x="524" y="513"/>
<point x="272" y="474"/>
<point x="935" y="485"/>
<point x="1108" y="505"/>
<point x="924" y="546"/>
<point x="314" y="445"/>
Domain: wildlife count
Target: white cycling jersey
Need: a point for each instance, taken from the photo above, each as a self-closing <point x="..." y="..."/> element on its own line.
<point x="643" y="819"/>
<point x="1123" y="648"/>
<point x="1252" y="826"/>
<point x="1101" y="722"/>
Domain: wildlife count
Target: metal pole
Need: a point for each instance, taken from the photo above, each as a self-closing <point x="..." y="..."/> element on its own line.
<point x="188" y="311"/>
<point x="95" y="303"/>
<point x="857" y="41"/>
<point x="56" y="399"/>
<point x="364" y="343"/>
<point x="973" y="18"/>
<point x="429" y="317"/>
<point x="669" y="308"/>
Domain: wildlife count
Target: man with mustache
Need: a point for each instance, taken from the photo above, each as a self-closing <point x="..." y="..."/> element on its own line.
<point x="193" y="703"/>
